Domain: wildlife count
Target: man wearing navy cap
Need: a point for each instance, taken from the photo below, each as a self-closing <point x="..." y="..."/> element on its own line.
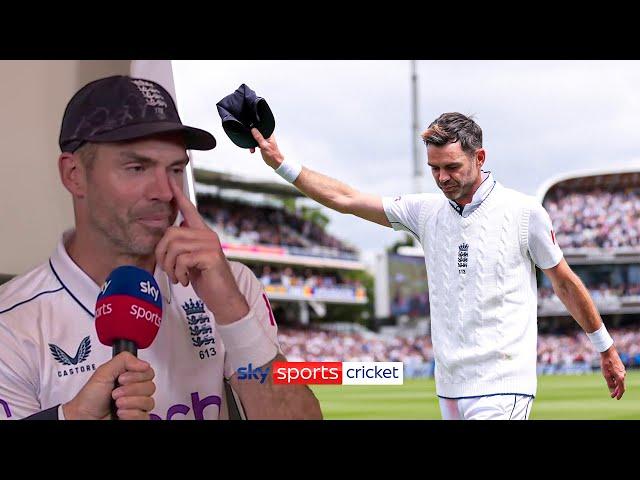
<point x="123" y="155"/>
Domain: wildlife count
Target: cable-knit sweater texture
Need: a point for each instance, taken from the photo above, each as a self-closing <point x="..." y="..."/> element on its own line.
<point x="482" y="290"/>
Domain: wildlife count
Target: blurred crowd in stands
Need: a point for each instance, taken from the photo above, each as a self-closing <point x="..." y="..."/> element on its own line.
<point x="574" y="352"/>
<point x="303" y="276"/>
<point x="595" y="218"/>
<point x="266" y="225"/>
<point x="600" y="292"/>
<point x="320" y="345"/>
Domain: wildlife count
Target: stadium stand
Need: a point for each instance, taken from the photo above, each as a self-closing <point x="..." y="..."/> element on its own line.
<point x="302" y="266"/>
<point x="596" y="217"/>
<point x="253" y="224"/>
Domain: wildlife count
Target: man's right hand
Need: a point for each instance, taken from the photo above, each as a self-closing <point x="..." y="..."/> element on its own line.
<point x="133" y="397"/>
<point x="323" y="189"/>
<point x="268" y="148"/>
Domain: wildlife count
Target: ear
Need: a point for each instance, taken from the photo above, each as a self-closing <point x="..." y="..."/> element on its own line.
<point x="480" y="157"/>
<point x="73" y="174"/>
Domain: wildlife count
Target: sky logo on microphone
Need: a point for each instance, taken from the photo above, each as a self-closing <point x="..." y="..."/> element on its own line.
<point x="148" y="289"/>
<point x="251" y="373"/>
<point x="132" y="282"/>
<point x="129" y="308"/>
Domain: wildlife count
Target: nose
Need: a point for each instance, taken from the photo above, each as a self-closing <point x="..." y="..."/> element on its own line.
<point x="159" y="188"/>
<point x="443" y="176"/>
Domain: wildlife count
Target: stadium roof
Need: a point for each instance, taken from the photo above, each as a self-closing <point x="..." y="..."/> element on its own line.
<point x="245" y="183"/>
<point x="606" y="177"/>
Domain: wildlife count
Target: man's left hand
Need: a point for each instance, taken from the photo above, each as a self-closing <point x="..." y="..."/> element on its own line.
<point x="613" y="371"/>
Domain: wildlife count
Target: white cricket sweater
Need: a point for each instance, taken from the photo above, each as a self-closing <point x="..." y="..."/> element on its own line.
<point x="49" y="346"/>
<point x="482" y="287"/>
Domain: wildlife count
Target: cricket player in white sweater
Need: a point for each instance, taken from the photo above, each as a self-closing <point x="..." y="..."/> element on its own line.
<point x="481" y="243"/>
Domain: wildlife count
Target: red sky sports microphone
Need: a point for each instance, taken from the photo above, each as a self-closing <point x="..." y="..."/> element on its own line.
<point x="128" y="312"/>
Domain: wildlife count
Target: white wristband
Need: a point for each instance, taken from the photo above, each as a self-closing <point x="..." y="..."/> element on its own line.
<point x="601" y="339"/>
<point x="289" y="170"/>
<point x="61" y="413"/>
<point x="245" y="341"/>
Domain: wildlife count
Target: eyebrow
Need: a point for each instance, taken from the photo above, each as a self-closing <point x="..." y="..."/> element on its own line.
<point x="454" y="164"/>
<point x="132" y="156"/>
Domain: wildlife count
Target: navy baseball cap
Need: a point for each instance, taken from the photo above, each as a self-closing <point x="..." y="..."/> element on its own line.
<point x="243" y="110"/>
<point x="120" y="108"/>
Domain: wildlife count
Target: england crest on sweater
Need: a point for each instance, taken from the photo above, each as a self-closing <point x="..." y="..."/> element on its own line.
<point x="463" y="258"/>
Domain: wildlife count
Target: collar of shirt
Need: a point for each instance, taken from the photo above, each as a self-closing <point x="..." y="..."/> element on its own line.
<point x="483" y="191"/>
<point x="81" y="286"/>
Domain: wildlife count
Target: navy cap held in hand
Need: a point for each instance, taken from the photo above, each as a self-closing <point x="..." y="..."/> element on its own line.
<point x="243" y="110"/>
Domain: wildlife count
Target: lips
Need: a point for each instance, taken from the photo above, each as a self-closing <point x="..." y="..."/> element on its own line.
<point x="155" y="221"/>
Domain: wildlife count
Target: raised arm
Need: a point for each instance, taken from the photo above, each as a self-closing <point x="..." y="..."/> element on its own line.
<point x="323" y="189"/>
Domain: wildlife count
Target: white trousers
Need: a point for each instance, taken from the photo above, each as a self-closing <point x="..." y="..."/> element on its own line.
<point x="490" y="407"/>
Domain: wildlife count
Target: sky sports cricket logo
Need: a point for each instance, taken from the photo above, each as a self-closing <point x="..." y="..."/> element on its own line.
<point x="326" y="373"/>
